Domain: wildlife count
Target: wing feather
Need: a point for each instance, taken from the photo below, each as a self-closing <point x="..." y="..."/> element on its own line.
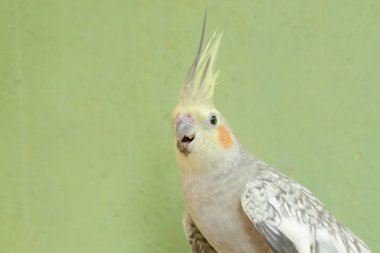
<point x="197" y="241"/>
<point x="291" y="219"/>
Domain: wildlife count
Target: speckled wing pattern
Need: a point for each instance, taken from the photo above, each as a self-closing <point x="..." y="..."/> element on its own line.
<point x="291" y="219"/>
<point x="198" y="243"/>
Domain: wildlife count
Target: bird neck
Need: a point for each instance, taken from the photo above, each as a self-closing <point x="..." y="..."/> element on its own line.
<point x="214" y="163"/>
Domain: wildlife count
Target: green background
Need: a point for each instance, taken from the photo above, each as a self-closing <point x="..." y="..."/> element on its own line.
<point x="86" y="91"/>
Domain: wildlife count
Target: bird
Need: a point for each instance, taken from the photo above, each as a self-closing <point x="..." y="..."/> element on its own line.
<point x="234" y="202"/>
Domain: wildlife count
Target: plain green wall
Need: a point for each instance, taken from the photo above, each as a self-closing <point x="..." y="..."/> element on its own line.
<point x="87" y="88"/>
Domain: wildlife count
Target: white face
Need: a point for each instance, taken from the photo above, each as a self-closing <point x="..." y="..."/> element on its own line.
<point x="199" y="129"/>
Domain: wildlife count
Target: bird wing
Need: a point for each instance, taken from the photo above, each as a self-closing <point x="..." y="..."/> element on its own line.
<point x="197" y="241"/>
<point x="291" y="219"/>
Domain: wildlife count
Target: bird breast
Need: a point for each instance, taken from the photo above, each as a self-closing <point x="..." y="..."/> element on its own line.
<point x="213" y="202"/>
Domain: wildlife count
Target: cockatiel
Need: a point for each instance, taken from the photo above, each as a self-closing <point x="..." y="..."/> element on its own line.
<point x="235" y="203"/>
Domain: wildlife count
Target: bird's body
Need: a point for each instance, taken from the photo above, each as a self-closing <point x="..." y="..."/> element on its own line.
<point x="234" y="202"/>
<point x="229" y="231"/>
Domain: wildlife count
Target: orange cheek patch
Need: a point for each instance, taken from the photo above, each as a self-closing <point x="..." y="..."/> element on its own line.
<point x="224" y="136"/>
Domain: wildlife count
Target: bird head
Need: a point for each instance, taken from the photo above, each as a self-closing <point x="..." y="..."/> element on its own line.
<point x="200" y="129"/>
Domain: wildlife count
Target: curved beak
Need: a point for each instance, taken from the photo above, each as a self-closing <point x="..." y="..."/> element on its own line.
<point x="185" y="135"/>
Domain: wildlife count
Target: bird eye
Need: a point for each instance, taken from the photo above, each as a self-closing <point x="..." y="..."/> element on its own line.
<point x="213" y="120"/>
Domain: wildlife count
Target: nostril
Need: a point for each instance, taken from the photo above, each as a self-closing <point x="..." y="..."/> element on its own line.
<point x="188" y="118"/>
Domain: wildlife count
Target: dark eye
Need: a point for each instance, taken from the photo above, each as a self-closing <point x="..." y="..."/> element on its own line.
<point x="213" y="120"/>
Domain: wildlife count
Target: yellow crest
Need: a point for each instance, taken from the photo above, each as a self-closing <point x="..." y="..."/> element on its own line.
<point x="200" y="81"/>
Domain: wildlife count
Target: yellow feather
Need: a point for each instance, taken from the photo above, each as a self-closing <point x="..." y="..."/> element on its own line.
<point x="199" y="84"/>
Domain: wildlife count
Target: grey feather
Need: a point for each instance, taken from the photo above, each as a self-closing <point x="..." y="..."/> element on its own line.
<point x="197" y="241"/>
<point x="193" y="68"/>
<point x="270" y="198"/>
<point x="277" y="240"/>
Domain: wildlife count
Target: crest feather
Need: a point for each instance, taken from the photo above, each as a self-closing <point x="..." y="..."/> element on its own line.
<point x="200" y="81"/>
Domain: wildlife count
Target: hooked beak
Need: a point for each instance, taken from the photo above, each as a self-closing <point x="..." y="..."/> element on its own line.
<point x="185" y="135"/>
